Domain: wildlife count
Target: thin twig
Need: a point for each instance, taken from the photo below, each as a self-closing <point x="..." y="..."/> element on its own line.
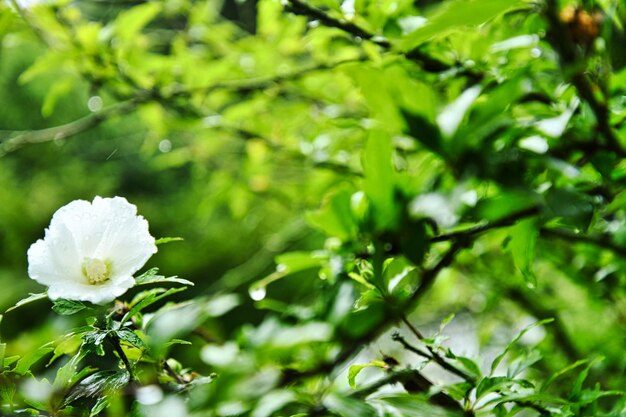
<point x="602" y="241"/>
<point x="427" y="62"/>
<point x="414" y="382"/>
<point x="435" y="356"/>
<point x="167" y="368"/>
<point x="481" y="228"/>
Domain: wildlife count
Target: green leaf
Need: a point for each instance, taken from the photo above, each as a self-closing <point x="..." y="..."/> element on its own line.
<point x="501" y="356"/>
<point x="470" y="366"/>
<point x="130" y="22"/>
<point x="425" y="132"/>
<point x="151" y="276"/>
<point x="164" y="240"/>
<point x="24" y="364"/>
<point x="3" y="349"/>
<point x="99" y="406"/>
<point x="335" y="216"/>
<point x="379" y="182"/>
<point x="345" y="406"/>
<point x="56" y="91"/>
<point x="31" y="298"/>
<point x="491" y="384"/>
<point x="131" y="337"/>
<point x="292" y="262"/>
<point x="414" y="240"/>
<point x="66" y="375"/>
<point x="522" y="245"/>
<point x="506" y="203"/>
<point x="571" y="206"/>
<point x="563" y="371"/>
<point x="99" y="383"/>
<point x="577" y="387"/>
<point x="67" y="307"/>
<point x="454" y="14"/>
<point x="413" y="405"/>
<point x="148" y="298"/>
<point x="450" y="118"/>
<point x="354" y="370"/>
<point x="92" y="341"/>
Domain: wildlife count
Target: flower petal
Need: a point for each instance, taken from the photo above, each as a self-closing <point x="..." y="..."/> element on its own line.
<point x="126" y="241"/>
<point x="55" y="258"/>
<point x="96" y="294"/>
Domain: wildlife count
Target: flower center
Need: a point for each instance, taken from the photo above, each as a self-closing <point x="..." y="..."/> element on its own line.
<point x="96" y="271"/>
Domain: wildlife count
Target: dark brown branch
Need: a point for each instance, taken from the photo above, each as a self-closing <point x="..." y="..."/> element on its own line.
<point x="427" y="62"/>
<point x="414" y="382"/>
<point x="434" y="355"/>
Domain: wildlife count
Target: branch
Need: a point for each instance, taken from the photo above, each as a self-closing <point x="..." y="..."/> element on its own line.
<point x="414" y="382"/>
<point x="505" y="221"/>
<point x="602" y="241"/>
<point x="430" y="275"/>
<point x="427" y="62"/>
<point x="115" y="341"/>
<point x="10" y="143"/>
<point x="436" y="357"/>
<point x="13" y="140"/>
<point x="261" y="83"/>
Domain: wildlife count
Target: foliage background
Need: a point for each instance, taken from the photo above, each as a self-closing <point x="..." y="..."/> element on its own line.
<point x="351" y="132"/>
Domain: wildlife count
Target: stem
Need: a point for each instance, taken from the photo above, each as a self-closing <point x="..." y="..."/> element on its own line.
<point x="115" y="341"/>
<point x="173" y="373"/>
<point x="434" y="355"/>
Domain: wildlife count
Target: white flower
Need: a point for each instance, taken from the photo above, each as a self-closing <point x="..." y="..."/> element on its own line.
<point x="91" y="250"/>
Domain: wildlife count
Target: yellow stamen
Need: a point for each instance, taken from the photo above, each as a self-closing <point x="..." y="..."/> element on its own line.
<point x="96" y="271"/>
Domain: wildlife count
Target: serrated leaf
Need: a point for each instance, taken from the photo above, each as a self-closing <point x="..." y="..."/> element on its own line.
<point x="131" y="337"/>
<point x="491" y="384"/>
<point x="150" y="299"/>
<point x="67" y="307"/>
<point x="92" y="341"/>
<point x="31" y="298"/>
<point x="151" y="276"/>
<point x="99" y="383"/>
